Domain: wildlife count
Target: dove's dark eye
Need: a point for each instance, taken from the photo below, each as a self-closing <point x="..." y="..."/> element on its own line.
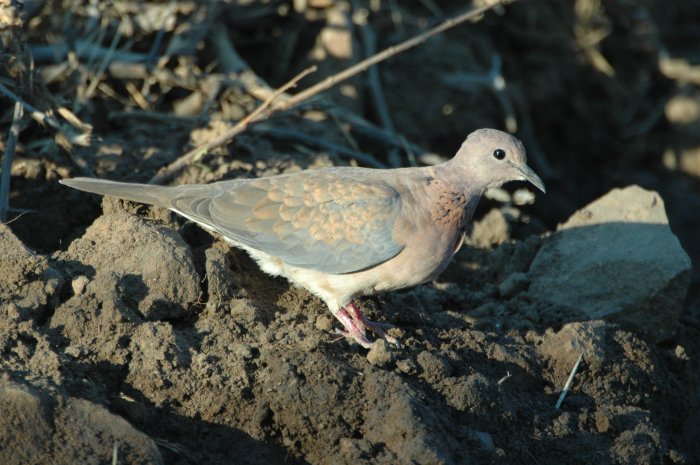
<point x="499" y="154"/>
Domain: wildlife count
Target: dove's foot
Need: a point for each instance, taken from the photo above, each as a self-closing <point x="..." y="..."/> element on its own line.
<point x="352" y="328"/>
<point x="356" y="326"/>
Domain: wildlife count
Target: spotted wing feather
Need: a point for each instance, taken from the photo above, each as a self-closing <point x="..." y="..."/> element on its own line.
<point x="319" y="219"/>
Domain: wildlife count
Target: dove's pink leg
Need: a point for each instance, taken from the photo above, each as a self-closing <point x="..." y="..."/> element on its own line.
<point x="362" y="321"/>
<point x="353" y="328"/>
<point x="356" y="325"/>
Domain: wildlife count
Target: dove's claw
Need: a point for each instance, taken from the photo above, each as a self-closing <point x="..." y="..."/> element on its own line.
<point x="356" y="326"/>
<point x="353" y="328"/>
<point x="376" y="328"/>
<point x="362" y="340"/>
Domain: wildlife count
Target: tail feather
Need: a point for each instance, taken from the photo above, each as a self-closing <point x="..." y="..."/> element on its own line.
<point x="144" y="193"/>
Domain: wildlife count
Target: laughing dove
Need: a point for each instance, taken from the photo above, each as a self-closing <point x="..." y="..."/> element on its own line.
<point x="343" y="232"/>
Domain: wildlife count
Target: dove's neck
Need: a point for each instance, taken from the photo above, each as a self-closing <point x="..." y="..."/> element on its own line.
<point x="460" y="179"/>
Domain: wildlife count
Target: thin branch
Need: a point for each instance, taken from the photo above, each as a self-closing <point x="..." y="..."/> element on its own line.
<point x="39" y="116"/>
<point x="7" y="161"/>
<point x="388" y="53"/>
<point x="369" y="130"/>
<point x="170" y="170"/>
<point x="160" y="118"/>
<point x="84" y="50"/>
<point x="115" y="453"/>
<point x="106" y="59"/>
<point x="494" y="80"/>
<point x="567" y="386"/>
<point x="21" y="214"/>
<point x="377" y="92"/>
<point x="292" y="135"/>
<point x="256" y="114"/>
<point x="505" y="378"/>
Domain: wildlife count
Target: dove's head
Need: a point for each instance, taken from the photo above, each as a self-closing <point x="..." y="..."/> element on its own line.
<point x="492" y="158"/>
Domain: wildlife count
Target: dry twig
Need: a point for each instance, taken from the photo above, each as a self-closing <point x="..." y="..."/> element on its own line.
<point x="388" y="53"/>
<point x="567" y="386"/>
<point x="7" y="161"/>
<point x="292" y="135"/>
<point x="287" y="103"/>
<point x="170" y="170"/>
<point x="377" y="92"/>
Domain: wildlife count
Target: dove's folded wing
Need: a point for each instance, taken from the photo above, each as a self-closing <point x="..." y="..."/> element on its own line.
<point x="318" y="219"/>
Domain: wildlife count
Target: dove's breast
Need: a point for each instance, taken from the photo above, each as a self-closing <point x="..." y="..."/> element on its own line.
<point x="431" y="229"/>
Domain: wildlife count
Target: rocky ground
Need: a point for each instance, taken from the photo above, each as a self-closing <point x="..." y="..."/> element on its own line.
<point x="130" y="336"/>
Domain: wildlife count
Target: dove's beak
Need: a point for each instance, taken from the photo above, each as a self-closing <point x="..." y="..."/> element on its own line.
<point x="529" y="175"/>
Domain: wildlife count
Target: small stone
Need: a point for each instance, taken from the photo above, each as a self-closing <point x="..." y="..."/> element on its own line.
<point x="200" y="358"/>
<point x="355" y="449"/>
<point x="523" y="197"/>
<point x="407" y="366"/>
<point x="79" y="283"/>
<point x="73" y="350"/>
<point x="242" y="349"/>
<point x="676" y="456"/>
<point x="379" y="354"/>
<point x="493" y="229"/>
<point x="13" y="312"/>
<point x="497" y="194"/>
<point x="564" y="425"/>
<point x="639" y="445"/>
<point x="680" y="353"/>
<point x="682" y="109"/>
<point x="324" y="322"/>
<point x="603" y="421"/>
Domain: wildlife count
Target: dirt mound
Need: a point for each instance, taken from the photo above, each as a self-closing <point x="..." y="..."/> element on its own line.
<point x="39" y="427"/>
<point x="252" y="361"/>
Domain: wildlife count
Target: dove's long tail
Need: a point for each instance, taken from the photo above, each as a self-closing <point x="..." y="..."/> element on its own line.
<point x="144" y="193"/>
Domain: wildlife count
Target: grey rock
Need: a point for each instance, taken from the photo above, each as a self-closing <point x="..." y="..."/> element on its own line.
<point x="616" y="259"/>
<point x="79" y="283"/>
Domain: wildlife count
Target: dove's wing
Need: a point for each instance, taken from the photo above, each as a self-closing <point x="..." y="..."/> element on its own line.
<point x="325" y="220"/>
